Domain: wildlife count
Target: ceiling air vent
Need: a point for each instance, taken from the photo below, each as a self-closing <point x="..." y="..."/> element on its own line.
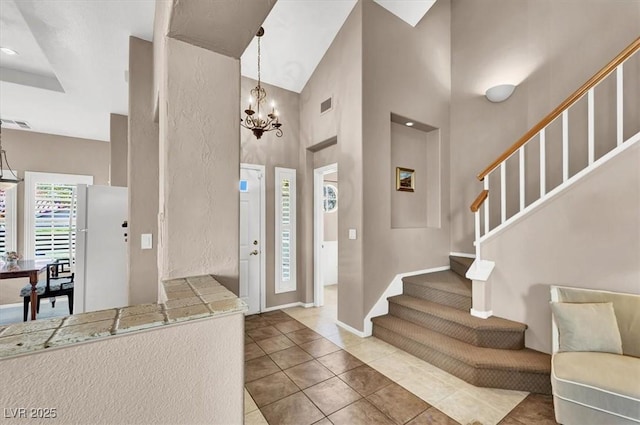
<point x="326" y="106"/>
<point x="14" y="123"/>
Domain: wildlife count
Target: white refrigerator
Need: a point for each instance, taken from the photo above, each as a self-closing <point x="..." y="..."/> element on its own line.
<point x="101" y="279"/>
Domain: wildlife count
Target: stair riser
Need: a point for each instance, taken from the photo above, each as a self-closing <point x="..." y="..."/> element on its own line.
<point x="492" y="378"/>
<point x="458" y="268"/>
<point x="481" y="338"/>
<point x="449" y="299"/>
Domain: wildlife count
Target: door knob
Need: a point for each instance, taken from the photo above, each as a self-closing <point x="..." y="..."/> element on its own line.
<point x="254" y="252"/>
<point x="255" y="242"/>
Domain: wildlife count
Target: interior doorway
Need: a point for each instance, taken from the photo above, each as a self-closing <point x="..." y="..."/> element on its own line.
<point x="325" y="219"/>
<point x="252" y="237"/>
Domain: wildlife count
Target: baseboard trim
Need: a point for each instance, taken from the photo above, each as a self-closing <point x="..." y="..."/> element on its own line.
<point x="351" y="329"/>
<point x="381" y="307"/>
<point x="481" y="314"/>
<point x="282" y="306"/>
<point x="462" y="254"/>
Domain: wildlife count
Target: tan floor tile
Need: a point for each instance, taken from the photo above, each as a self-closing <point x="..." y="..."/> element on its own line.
<point x="432" y="416"/>
<point x="255" y="418"/>
<point x="140" y="321"/>
<point x="24" y="343"/>
<point x="323" y="421"/>
<point x="398" y="403"/>
<point x="319" y="347"/>
<point x="466" y="409"/>
<point x="259" y="368"/>
<point x="303" y="336"/>
<point x="140" y="309"/>
<point x="94" y="316"/>
<point x="252" y="351"/>
<point x="395" y="367"/>
<point x="263" y="333"/>
<point x="191" y="312"/>
<point x="249" y="404"/>
<point x="276" y="343"/>
<point x="78" y="333"/>
<point x="371" y="349"/>
<point x="289" y="326"/>
<point x="271" y="388"/>
<point x="534" y="409"/>
<point x="365" y="380"/>
<point x="183" y="302"/>
<point x="217" y="296"/>
<point x="428" y="387"/>
<point x="360" y="412"/>
<point x="290" y="357"/>
<point x="307" y="374"/>
<point x="339" y="362"/>
<point x="503" y="401"/>
<point x="176" y="295"/>
<point x="32" y="326"/>
<point x="332" y="395"/>
<point x="345" y="339"/>
<point x="294" y="409"/>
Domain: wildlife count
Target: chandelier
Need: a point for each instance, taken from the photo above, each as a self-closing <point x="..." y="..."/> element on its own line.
<point x="254" y="120"/>
<point x="6" y="182"/>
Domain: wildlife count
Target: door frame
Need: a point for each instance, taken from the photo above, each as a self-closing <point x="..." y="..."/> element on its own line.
<point x="263" y="230"/>
<point x="318" y="230"/>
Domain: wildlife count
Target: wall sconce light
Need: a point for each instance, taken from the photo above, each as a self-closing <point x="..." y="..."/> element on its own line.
<point x="500" y="93"/>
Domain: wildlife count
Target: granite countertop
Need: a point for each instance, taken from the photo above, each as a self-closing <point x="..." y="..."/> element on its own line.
<point x="188" y="298"/>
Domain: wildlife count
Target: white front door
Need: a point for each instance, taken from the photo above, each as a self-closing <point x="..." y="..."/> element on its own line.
<point x="251" y="244"/>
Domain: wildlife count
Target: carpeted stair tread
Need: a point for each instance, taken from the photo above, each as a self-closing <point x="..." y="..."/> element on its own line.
<point x="454" y="315"/>
<point x="445" y="281"/>
<point x="525" y="360"/>
<point x="460" y="265"/>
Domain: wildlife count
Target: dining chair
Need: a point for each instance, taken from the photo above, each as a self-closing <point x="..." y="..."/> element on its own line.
<point x="56" y="284"/>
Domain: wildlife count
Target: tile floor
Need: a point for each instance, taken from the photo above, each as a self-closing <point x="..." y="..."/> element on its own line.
<point x="301" y="368"/>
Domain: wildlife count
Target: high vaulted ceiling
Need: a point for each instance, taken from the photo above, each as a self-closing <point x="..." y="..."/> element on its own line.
<point x="71" y="70"/>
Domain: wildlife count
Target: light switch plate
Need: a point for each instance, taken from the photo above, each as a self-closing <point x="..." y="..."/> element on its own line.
<point x="146" y="241"/>
<point x="352" y="233"/>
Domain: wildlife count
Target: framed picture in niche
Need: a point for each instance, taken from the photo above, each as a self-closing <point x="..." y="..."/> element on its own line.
<point x="405" y="179"/>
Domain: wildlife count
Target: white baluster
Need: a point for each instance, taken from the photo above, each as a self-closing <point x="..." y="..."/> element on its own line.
<point x="543" y="163"/>
<point x="477" y="220"/>
<point x="503" y="192"/>
<point x="521" y="157"/>
<point x="565" y="145"/>
<point x="619" y="105"/>
<point x="486" y="207"/>
<point x="591" y="125"/>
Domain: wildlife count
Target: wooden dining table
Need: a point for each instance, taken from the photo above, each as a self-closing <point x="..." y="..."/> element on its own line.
<point x="26" y="268"/>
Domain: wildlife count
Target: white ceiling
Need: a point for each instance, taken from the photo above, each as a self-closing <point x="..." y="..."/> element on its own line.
<point x="69" y="75"/>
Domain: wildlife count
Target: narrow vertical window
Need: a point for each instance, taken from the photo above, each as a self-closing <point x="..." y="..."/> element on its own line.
<point x="285" y="230"/>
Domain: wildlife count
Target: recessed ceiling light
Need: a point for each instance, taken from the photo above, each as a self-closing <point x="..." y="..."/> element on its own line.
<point x="409" y="124"/>
<point x="8" y="51"/>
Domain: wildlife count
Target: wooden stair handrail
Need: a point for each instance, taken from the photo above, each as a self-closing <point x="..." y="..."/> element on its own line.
<point x="479" y="201"/>
<point x="599" y="76"/>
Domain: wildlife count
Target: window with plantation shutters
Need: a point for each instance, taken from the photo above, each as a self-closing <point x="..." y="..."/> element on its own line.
<point x="50" y="214"/>
<point x="7" y="219"/>
<point x="285" y="230"/>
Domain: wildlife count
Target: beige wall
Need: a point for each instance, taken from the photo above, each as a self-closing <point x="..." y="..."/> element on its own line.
<point x="119" y="145"/>
<point x="339" y="74"/>
<point x="406" y="72"/>
<point x="142" y="174"/>
<point x="408" y="150"/>
<point x="588" y="237"/>
<point x="28" y="151"/>
<point x="548" y="48"/>
<point x="50" y="153"/>
<point x="199" y="164"/>
<point x="272" y="151"/>
<point x="170" y="375"/>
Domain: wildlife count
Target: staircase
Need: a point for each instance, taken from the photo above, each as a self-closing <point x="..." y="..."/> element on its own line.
<point x="431" y="320"/>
